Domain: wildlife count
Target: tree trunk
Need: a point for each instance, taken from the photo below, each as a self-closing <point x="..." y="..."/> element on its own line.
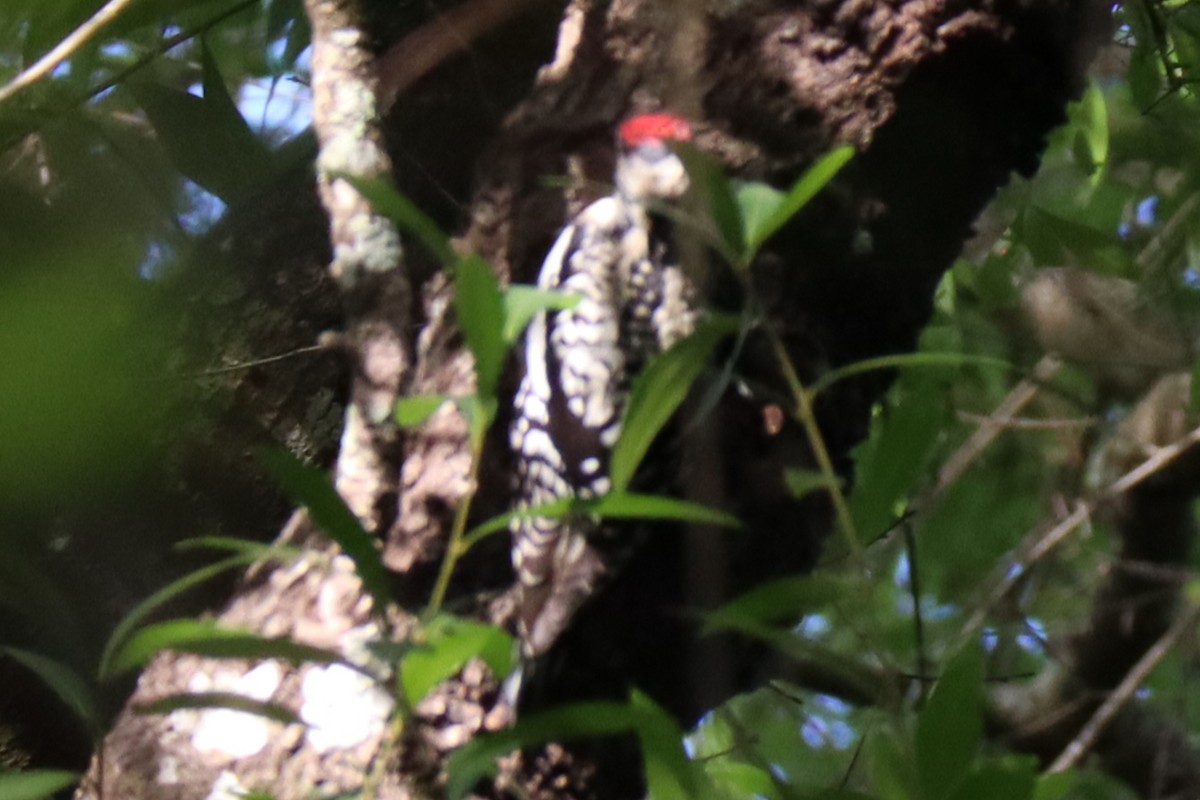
<point x="942" y="101"/>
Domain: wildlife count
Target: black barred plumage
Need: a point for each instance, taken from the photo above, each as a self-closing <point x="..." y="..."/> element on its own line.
<point x="578" y="366"/>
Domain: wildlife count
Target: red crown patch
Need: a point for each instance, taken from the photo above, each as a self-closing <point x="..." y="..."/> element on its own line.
<point x="646" y="127"/>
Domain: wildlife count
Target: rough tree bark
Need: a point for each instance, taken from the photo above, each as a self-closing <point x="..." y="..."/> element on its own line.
<point x="943" y="100"/>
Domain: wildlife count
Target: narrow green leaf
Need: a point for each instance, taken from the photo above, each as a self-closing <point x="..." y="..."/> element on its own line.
<point x="309" y="487"/>
<point x="669" y="774"/>
<point x="244" y="547"/>
<point x="657" y="392"/>
<point x="522" y="302"/>
<point x="35" y="784"/>
<point x="414" y="410"/>
<point x="624" y="505"/>
<point x="70" y="688"/>
<point x="717" y="197"/>
<point x="389" y="202"/>
<point x="801" y="482"/>
<point x="144" y="609"/>
<point x="552" y="510"/>
<point x="230" y="700"/>
<point x="480" y="308"/>
<point x="1194" y="390"/>
<point x="906" y="361"/>
<point x="782" y="600"/>
<point x="479" y="413"/>
<point x="206" y="638"/>
<point x="449" y="643"/>
<point x="950" y="726"/>
<point x="803" y="190"/>
<point x="477" y="759"/>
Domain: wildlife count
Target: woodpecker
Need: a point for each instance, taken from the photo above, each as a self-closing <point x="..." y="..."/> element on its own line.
<point x="578" y="366"/>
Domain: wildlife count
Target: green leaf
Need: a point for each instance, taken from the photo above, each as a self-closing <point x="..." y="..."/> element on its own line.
<point x="998" y="781"/>
<point x="243" y="547"/>
<point x="206" y="638"/>
<point x="890" y="767"/>
<point x="1194" y="390"/>
<point x="414" y="410"/>
<point x="309" y="487"/>
<point x="624" y="505"/>
<point x="1054" y="785"/>
<point x="950" y="727"/>
<point x="669" y="774"/>
<point x="229" y="700"/>
<point x="35" y="784"/>
<point x="449" y="643"/>
<point x="522" y="302"/>
<point x="477" y="758"/>
<point x="769" y="213"/>
<point x="907" y="361"/>
<point x="717" y="197"/>
<point x="207" y="138"/>
<point x="480" y="308"/>
<point x="658" y="390"/>
<point x="65" y="683"/>
<point x="479" y="413"/>
<point x="144" y="609"/>
<point x="782" y="600"/>
<point x="389" y="202"/>
<point x="1090" y="118"/>
<point x="801" y="482"/>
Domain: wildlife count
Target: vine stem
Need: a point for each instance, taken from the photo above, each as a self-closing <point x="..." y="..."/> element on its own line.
<point x="454" y="547"/>
<point x="808" y="419"/>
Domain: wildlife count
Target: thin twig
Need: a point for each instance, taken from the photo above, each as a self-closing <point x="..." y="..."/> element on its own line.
<point x="1089" y="733"/>
<point x="64" y="49"/>
<point x="1030" y="423"/>
<point x="985" y="434"/>
<point x="1047" y="541"/>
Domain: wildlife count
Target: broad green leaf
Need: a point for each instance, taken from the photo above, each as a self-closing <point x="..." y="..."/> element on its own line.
<point x="782" y="600"/>
<point x="449" y="642"/>
<point x="624" y="505"/>
<point x="206" y="138"/>
<point x="998" y="781"/>
<point x="669" y="774"/>
<point x="144" y="609"/>
<point x="414" y="410"/>
<point x="480" y="308"/>
<point x="950" y="727"/>
<point x="737" y="779"/>
<point x="1054" y="786"/>
<point x="758" y="205"/>
<point x="309" y="487"/>
<point x="65" y="683"/>
<point x="230" y="700"/>
<point x="890" y="767"/>
<point x="802" y="482"/>
<point x="522" y="302"/>
<point x="765" y="225"/>
<point x="1090" y="118"/>
<point x="35" y="784"/>
<point x="657" y="392"/>
<point x="389" y="202"/>
<point x="206" y="638"/>
<point x="894" y="458"/>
